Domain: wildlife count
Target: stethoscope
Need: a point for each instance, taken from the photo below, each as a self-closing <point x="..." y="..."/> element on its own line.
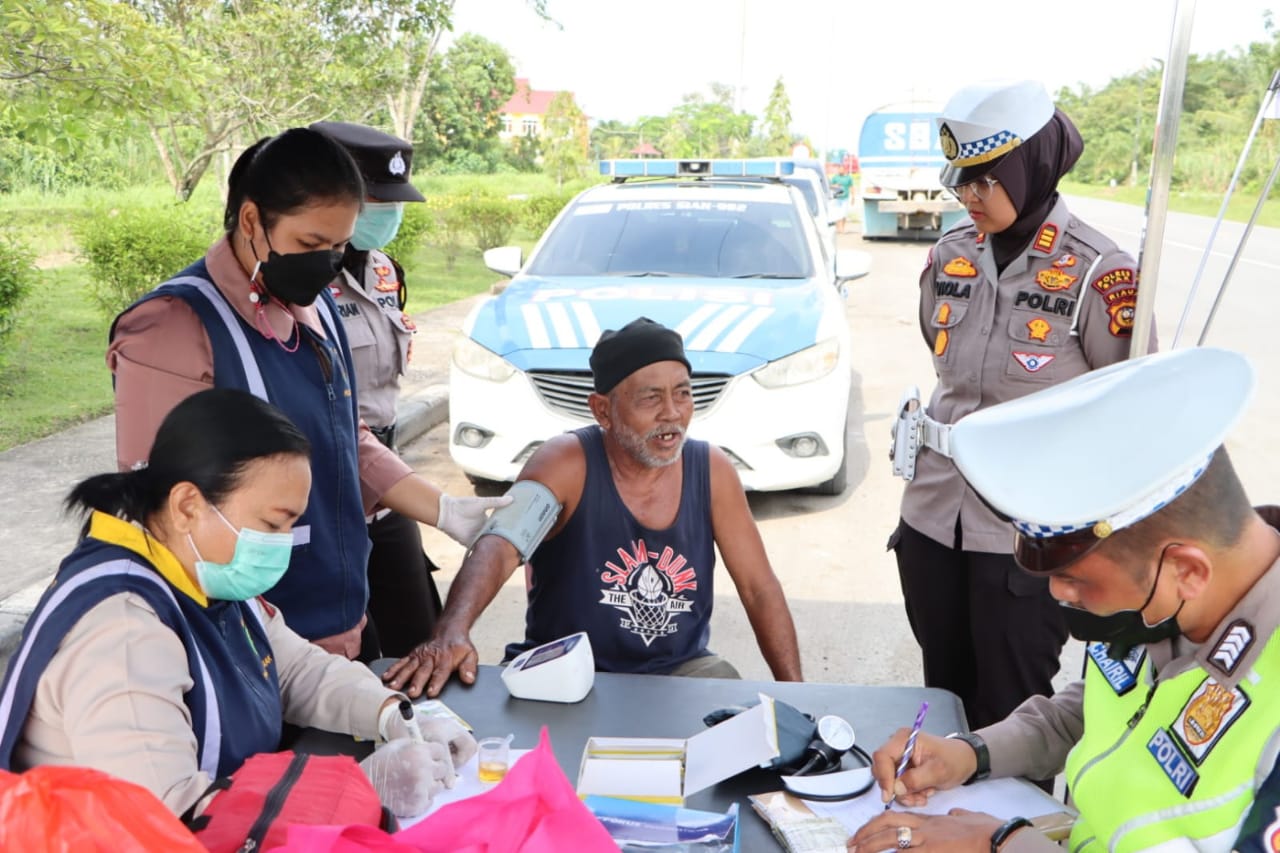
<point x="826" y="752"/>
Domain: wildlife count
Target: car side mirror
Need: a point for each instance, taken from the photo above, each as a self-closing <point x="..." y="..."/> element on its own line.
<point x="505" y="260"/>
<point x="851" y="264"/>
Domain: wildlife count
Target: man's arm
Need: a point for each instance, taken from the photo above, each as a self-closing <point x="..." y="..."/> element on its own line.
<point x="560" y="466"/>
<point x="1034" y="740"/>
<point x="740" y="544"/>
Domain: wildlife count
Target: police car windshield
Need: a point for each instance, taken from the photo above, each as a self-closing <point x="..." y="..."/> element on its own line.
<point x="705" y="238"/>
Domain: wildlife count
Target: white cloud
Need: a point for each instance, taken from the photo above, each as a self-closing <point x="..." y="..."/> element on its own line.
<point x="839" y="59"/>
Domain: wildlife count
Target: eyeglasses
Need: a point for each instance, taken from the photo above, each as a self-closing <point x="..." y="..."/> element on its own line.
<point x="982" y="188"/>
<point x="1041" y="556"/>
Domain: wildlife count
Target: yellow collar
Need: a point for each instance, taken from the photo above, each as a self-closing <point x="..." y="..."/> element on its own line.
<point x="116" y="531"/>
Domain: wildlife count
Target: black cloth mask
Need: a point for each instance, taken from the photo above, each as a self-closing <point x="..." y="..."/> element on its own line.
<point x="1030" y="175"/>
<point x="298" y="277"/>
<point x="1124" y="629"/>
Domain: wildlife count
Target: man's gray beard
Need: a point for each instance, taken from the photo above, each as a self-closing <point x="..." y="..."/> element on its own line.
<point x="634" y="443"/>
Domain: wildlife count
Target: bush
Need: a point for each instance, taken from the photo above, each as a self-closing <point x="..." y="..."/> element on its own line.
<point x="451" y="227"/>
<point x="17" y="277"/>
<point x="539" y="210"/>
<point x="490" y="220"/>
<point x="128" y="252"/>
<point x="418" y="224"/>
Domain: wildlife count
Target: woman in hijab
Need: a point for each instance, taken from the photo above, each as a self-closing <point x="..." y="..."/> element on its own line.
<point x="1020" y="296"/>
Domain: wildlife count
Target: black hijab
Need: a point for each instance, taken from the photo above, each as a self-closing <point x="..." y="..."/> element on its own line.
<point x="1030" y="175"/>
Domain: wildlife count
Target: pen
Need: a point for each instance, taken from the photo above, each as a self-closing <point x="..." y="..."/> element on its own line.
<point x="411" y="720"/>
<point x="906" y="753"/>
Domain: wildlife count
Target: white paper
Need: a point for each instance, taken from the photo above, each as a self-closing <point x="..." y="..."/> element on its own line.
<point x="1003" y="798"/>
<point x="745" y="740"/>
<point x="630" y="777"/>
<point x="469" y="785"/>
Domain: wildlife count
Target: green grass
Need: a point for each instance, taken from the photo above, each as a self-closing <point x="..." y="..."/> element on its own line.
<point x="431" y="283"/>
<point x="55" y="374"/>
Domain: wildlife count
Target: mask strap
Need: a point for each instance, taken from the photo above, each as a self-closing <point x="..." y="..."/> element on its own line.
<point x="1156" y="583"/>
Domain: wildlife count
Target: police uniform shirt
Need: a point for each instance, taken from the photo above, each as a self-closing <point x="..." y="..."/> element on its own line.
<point x="996" y="337"/>
<point x="380" y="335"/>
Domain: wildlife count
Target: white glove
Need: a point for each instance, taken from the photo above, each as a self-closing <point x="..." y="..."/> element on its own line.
<point x="441" y="730"/>
<point x="463" y="518"/>
<point x="407" y="774"/>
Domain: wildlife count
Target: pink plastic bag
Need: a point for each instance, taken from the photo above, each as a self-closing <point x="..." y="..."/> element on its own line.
<point x="533" y="810"/>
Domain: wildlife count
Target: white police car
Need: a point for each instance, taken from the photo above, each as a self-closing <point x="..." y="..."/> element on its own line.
<point x="721" y="251"/>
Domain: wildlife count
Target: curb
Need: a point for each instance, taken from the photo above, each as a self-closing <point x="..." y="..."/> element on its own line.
<point x="415" y="414"/>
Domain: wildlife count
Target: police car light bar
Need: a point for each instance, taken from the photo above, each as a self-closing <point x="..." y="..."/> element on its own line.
<point x="641" y="168"/>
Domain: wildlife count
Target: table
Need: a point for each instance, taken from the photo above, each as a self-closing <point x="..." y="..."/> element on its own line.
<point x="665" y="706"/>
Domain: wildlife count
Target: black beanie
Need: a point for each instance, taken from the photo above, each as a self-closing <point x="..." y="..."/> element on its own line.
<point x="620" y="353"/>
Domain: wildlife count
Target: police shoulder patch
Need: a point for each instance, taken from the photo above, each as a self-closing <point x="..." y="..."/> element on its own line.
<point x="1206" y="717"/>
<point x="1110" y="278"/>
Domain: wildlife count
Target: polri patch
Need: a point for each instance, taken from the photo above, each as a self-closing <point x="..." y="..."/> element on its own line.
<point x="1109" y="279"/>
<point x="1232" y="645"/>
<point x="1055" y="279"/>
<point x="1206" y="717"/>
<point x="1034" y="362"/>
<point x="1175" y="765"/>
<point x="1046" y="239"/>
<point x="1122" y="675"/>
<point x="1039" y="329"/>
<point x="960" y="268"/>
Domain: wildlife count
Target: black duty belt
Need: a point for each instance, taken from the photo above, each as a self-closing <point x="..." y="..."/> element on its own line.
<point x="387" y="435"/>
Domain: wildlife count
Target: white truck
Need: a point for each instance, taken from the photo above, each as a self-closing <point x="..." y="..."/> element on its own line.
<point x="900" y="159"/>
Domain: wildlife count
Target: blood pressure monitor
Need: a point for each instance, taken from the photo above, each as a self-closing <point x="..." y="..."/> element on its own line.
<point x="560" y="671"/>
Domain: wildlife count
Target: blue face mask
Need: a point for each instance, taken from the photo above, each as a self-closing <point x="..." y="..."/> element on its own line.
<point x="259" y="561"/>
<point x="377" y="225"/>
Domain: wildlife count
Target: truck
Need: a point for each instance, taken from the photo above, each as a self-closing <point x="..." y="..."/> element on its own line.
<point x="900" y="159"/>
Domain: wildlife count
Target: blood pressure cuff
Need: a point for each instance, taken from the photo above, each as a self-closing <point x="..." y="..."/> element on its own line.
<point x="525" y="521"/>
<point x="796" y="730"/>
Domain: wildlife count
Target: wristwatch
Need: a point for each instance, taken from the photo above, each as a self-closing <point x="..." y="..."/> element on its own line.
<point x="1001" y="835"/>
<point x="980" y="750"/>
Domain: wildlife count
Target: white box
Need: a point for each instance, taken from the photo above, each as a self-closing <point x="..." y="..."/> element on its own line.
<point x="667" y="770"/>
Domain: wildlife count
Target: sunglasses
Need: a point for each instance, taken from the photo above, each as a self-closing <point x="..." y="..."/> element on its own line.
<point x="1052" y="553"/>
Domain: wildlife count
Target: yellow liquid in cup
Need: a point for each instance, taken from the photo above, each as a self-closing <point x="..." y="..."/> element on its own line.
<point x="492" y="771"/>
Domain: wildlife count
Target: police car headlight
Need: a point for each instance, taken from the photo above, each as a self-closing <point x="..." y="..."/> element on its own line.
<point x="807" y="365"/>
<point x="476" y="360"/>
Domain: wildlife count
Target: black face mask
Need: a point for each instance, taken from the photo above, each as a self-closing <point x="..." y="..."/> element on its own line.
<point x="298" y="278"/>
<point x="1124" y="629"/>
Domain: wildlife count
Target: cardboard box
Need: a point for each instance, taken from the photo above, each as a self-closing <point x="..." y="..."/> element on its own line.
<point x="667" y="770"/>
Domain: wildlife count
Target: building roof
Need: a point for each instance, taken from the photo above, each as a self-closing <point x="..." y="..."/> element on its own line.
<point x="644" y="149"/>
<point x="526" y="100"/>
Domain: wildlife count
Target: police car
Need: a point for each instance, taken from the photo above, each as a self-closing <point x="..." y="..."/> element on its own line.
<point x="723" y="252"/>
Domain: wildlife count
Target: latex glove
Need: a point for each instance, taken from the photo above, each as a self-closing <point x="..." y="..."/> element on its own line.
<point x="442" y="730"/>
<point x="407" y="774"/>
<point x="463" y="518"/>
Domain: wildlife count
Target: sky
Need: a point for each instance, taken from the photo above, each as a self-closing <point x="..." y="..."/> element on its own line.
<point x="839" y="59"/>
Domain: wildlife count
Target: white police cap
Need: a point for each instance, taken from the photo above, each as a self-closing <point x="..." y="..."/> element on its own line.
<point x="985" y="121"/>
<point x="1175" y="408"/>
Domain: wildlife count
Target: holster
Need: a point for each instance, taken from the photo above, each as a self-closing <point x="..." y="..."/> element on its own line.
<point x="912" y="430"/>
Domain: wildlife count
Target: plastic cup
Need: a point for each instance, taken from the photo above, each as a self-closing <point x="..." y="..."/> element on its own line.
<point x="492" y="754"/>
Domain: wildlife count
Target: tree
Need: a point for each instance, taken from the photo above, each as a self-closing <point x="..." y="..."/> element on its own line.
<point x="468" y="85"/>
<point x="702" y="127"/>
<point x="777" y="122"/>
<point x="564" y="138"/>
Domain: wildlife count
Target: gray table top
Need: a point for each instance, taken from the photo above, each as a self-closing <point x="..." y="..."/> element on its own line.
<point x="664" y="706"/>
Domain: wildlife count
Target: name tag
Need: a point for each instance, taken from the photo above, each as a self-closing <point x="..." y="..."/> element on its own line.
<point x="1171" y="760"/>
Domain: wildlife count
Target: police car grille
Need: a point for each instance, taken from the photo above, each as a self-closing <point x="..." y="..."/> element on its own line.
<point x="567" y="390"/>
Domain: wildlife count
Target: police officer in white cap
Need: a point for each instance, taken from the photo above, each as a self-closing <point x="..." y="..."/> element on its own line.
<point x="1020" y="296"/>
<point x="1170" y="741"/>
<point x="371" y="293"/>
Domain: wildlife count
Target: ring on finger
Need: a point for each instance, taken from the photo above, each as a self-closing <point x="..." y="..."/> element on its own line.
<point x="904" y="837"/>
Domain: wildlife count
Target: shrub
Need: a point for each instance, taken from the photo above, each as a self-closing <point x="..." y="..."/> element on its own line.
<point x="451" y="227"/>
<point x="418" y="224"/>
<point x="128" y="252"/>
<point x="539" y="210"/>
<point x="489" y="219"/>
<point x="17" y="277"/>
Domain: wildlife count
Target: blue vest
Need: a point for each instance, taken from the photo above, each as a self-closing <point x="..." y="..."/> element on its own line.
<point x="228" y="656"/>
<point x="643" y="596"/>
<point x="326" y="589"/>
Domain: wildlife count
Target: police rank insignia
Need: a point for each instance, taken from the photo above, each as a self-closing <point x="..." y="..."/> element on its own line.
<point x="1039" y="329"/>
<point x="1034" y="362"/>
<point x="385" y="283"/>
<point x="1206" y="717"/>
<point x="960" y="268"/>
<point x="1054" y="279"/>
<point x="1046" y="239"/>
<point x="1235" y="641"/>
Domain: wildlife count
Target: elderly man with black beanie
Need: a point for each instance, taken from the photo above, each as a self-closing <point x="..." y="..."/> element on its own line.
<point x="630" y="556"/>
<point x="1019" y="297"/>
